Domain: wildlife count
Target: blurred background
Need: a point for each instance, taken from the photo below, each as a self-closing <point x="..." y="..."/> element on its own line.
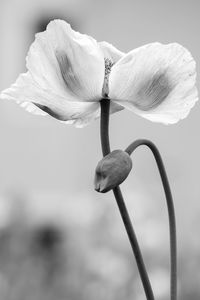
<point x="59" y="239"/>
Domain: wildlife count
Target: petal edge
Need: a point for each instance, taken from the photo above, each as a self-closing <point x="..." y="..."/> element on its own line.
<point x="134" y="85"/>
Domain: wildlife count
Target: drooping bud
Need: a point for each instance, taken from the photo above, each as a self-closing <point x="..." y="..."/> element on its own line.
<point x="112" y="170"/>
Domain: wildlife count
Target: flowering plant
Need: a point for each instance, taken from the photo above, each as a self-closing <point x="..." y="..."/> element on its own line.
<point x="75" y="79"/>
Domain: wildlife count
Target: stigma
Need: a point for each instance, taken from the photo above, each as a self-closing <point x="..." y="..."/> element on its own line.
<point x="108" y="66"/>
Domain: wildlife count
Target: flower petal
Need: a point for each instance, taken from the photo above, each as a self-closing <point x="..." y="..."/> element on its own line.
<point x="111" y="52"/>
<point x="156" y="82"/>
<point x="68" y="62"/>
<point x="45" y="101"/>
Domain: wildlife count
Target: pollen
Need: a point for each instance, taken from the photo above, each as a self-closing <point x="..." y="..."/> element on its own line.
<point x="108" y="66"/>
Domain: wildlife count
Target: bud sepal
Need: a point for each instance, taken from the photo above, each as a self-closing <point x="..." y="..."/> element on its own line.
<point x="112" y="170"/>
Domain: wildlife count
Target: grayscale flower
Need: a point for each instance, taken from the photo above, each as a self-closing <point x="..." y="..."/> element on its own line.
<point x="69" y="73"/>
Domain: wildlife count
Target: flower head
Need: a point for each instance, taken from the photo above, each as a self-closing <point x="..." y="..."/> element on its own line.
<point x="69" y="73"/>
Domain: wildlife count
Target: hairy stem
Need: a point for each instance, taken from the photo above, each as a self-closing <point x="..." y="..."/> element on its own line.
<point x="171" y="212"/>
<point x="105" y="106"/>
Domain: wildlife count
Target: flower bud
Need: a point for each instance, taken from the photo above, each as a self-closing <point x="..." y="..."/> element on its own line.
<point x="112" y="170"/>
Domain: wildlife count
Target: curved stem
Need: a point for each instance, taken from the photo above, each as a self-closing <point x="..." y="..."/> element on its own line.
<point x="105" y="106"/>
<point x="171" y="211"/>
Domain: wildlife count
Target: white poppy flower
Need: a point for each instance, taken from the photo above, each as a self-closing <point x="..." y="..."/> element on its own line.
<point x="69" y="73"/>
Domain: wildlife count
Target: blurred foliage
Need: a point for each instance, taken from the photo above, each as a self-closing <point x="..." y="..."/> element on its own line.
<point x="59" y="258"/>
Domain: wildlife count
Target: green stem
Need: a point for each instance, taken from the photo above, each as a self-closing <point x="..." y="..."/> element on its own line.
<point x="105" y="106"/>
<point x="171" y="211"/>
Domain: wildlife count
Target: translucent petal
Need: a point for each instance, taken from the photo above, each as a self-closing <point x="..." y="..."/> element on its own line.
<point x="156" y="82"/>
<point x="111" y="52"/>
<point x="68" y="62"/>
<point x="33" y="98"/>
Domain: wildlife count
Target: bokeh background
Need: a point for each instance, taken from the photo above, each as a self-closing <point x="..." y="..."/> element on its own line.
<point x="59" y="239"/>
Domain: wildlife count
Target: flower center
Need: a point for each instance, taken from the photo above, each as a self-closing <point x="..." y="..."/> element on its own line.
<point x="108" y="67"/>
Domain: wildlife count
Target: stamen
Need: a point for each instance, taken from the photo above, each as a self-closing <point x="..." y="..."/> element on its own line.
<point x="108" y="67"/>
